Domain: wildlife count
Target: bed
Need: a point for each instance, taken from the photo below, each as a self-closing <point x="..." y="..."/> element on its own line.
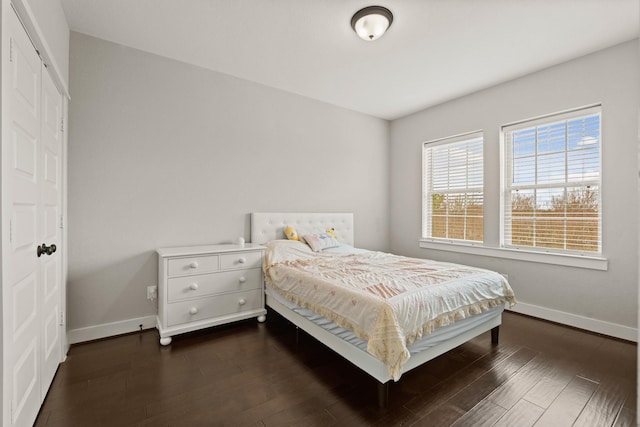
<point x="410" y="333"/>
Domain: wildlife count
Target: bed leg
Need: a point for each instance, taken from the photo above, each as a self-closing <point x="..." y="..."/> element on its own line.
<point x="495" y="333"/>
<point x="383" y="395"/>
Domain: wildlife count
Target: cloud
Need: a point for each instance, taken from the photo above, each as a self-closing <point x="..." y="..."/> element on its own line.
<point x="588" y="140"/>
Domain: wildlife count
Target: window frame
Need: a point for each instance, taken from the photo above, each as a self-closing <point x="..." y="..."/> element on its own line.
<point x="506" y="170"/>
<point x="426" y="233"/>
<point x="492" y="243"/>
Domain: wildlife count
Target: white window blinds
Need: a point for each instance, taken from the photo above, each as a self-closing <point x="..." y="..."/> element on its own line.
<point x="552" y="196"/>
<point x="453" y="188"/>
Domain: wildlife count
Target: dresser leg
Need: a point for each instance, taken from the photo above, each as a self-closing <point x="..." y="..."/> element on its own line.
<point x="262" y="318"/>
<point x="165" y="341"/>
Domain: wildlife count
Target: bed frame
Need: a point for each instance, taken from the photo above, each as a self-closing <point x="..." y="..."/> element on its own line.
<point x="270" y="226"/>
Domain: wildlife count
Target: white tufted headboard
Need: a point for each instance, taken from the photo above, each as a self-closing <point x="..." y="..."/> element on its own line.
<point x="266" y="226"/>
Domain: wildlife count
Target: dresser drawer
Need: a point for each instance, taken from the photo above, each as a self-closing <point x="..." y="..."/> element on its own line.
<point x="180" y="288"/>
<point x="193" y="265"/>
<point x="241" y="260"/>
<point x="214" y="306"/>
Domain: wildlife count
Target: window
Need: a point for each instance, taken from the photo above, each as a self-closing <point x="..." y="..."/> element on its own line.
<point x="452" y="188"/>
<point x="552" y="198"/>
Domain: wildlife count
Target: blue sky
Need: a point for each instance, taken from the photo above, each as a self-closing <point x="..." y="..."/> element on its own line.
<point x="575" y="141"/>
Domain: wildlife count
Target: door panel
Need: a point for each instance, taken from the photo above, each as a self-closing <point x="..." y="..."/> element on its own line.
<point x="51" y="171"/>
<point x="51" y="111"/>
<point x="25" y="75"/>
<point x="50" y="280"/>
<point x="50" y="223"/>
<point x="24" y="303"/>
<point x="51" y="337"/>
<point x="24" y="228"/>
<point x="24" y="152"/>
<point x="25" y="384"/>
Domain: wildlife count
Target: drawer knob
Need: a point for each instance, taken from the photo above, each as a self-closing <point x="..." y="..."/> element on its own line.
<point x="242" y="260"/>
<point x="193" y="265"/>
<point x="193" y="311"/>
<point x="242" y="301"/>
<point x="194" y="287"/>
<point x="243" y="279"/>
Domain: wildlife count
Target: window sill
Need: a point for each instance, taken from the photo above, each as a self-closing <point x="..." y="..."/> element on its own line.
<point x="593" y="263"/>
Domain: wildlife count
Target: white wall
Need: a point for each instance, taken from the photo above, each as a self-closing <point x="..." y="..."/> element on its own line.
<point x="609" y="77"/>
<point x="163" y="153"/>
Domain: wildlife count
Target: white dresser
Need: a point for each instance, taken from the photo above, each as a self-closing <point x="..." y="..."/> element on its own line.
<point x="203" y="286"/>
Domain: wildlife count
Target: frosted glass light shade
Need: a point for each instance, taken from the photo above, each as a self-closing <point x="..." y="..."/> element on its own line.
<point x="371" y="22"/>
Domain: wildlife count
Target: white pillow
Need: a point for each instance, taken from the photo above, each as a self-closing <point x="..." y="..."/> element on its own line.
<point x="309" y="229"/>
<point x="320" y="241"/>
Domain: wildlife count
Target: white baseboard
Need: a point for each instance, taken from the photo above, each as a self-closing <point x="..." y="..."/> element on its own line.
<point x="593" y="325"/>
<point x="75" y="336"/>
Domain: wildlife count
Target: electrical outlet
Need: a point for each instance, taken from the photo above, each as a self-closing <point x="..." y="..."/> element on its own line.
<point x="152" y="292"/>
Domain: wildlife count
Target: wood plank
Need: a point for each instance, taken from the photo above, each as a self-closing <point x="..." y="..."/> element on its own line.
<point x="548" y="388"/>
<point x="513" y="390"/>
<point x="604" y="405"/>
<point x="109" y="412"/>
<point x="308" y="413"/>
<point x="626" y="418"/>
<point x="471" y="395"/>
<point x="443" y="391"/>
<point x="485" y="413"/>
<point x="569" y="403"/>
<point x="522" y="414"/>
<point x="364" y="415"/>
<point x="444" y="415"/>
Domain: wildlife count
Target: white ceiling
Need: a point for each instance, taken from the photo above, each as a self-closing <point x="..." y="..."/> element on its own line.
<point x="434" y="51"/>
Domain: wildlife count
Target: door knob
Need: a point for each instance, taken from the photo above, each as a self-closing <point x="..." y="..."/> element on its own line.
<point x="44" y="249"/>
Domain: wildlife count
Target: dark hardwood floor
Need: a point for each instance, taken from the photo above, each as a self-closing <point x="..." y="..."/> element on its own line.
<point x="250" y="374"/>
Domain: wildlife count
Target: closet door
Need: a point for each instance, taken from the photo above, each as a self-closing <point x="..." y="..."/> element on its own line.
<point x="50" y="217"/>
<point x="31" y="296"/>
<point x="21" y="275"/>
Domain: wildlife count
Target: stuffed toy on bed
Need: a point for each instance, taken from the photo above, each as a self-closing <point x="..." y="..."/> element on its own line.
<point x="291" y="233"/>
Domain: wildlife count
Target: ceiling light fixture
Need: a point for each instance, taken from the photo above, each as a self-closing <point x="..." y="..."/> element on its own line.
<point x="371" y="22"/>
